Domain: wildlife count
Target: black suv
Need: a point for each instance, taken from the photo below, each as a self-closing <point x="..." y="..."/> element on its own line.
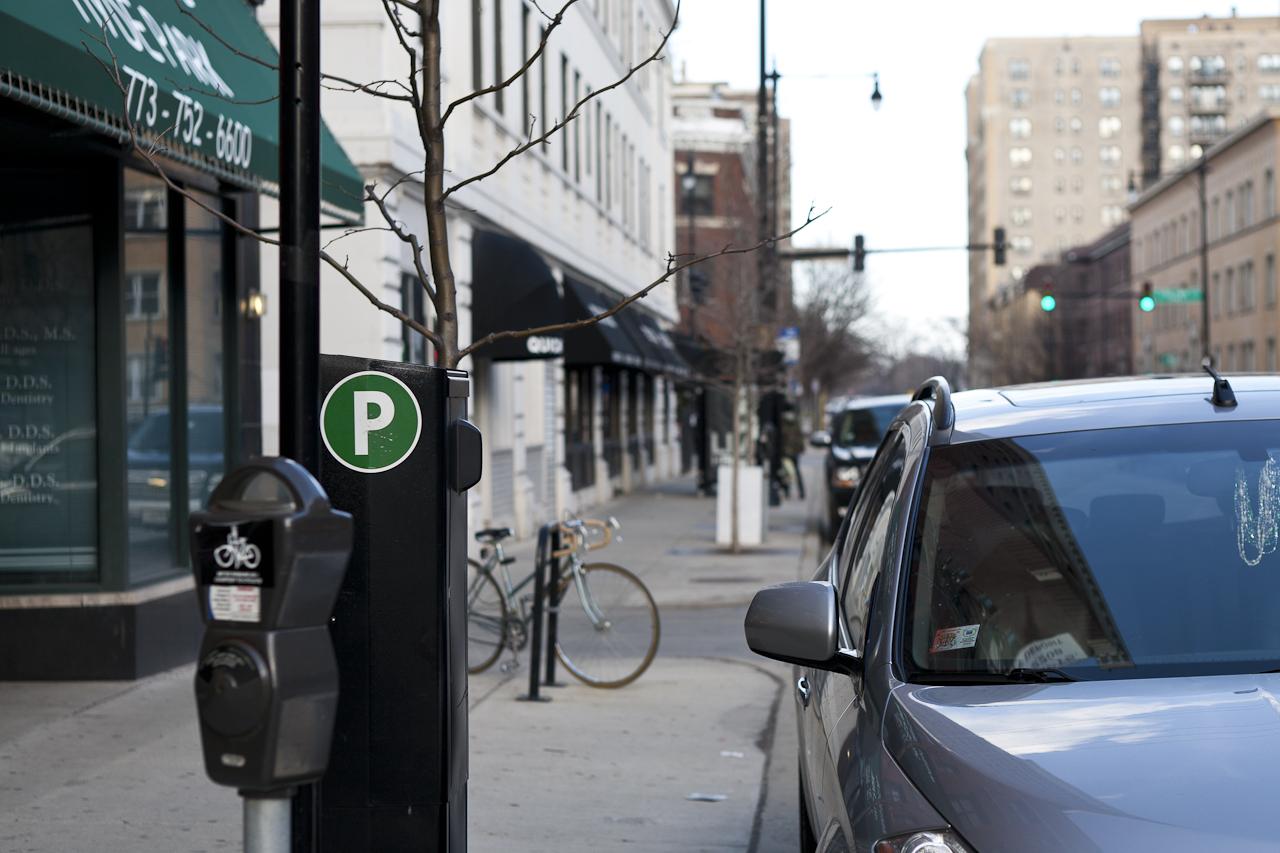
<point x="856" y="427"/>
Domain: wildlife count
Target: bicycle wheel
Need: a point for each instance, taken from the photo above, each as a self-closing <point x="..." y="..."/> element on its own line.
<point x="618" y="647"/>
<point x="486" y="619"/>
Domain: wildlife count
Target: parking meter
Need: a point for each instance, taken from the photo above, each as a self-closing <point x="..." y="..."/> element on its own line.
<point x="269" y="554"/>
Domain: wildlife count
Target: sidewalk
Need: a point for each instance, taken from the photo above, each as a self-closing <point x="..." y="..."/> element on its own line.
<point x="91" y="767"/>
<point x="614" y="769"/>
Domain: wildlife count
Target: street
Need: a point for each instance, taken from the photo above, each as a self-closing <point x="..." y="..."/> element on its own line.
<point x="698" y="754"/>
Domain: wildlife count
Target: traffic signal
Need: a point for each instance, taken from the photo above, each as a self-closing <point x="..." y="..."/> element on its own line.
<point x="859" y="253"/>
<point x="1047" y="300"/>
<point x="999" y="246"/>
<point x="1147" y="300"/>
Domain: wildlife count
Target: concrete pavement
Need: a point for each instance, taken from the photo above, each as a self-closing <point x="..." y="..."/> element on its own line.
<point x="116" y="766"/>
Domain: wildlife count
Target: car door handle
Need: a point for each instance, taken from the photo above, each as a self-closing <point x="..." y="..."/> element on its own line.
<point x="802" y="688"/>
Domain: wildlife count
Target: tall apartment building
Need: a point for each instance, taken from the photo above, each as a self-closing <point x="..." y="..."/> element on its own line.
<point x="1202" y="78"/>
<point x="1053" y="143"/>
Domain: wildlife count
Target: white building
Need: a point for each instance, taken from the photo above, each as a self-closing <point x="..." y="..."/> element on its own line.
<point x="566" y="227"/>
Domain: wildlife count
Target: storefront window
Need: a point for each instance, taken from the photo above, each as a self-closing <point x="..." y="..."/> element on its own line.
<point x="206" y="445"/>
<point x="48" y="400"/>
<point x="146" y="264"/>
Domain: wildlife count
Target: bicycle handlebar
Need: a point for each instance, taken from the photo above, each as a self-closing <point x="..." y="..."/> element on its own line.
<point x="574" y="530"/>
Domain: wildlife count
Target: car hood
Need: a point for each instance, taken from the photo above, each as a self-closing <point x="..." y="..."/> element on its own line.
<point x="1169" y="764"/>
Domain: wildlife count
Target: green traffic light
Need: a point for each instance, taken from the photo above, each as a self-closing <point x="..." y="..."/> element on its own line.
<point x="1147" y="303"/>
<point x="1047" y="302"/>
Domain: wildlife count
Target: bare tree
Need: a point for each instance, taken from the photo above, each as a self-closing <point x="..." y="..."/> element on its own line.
<point x="416" y="27"/>
<point x="835" y="348"/>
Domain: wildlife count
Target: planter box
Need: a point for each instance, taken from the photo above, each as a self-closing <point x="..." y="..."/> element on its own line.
<point x="753" y="501"/>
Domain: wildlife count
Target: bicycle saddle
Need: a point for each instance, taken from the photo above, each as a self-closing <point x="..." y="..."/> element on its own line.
<point x="493" y="534"/>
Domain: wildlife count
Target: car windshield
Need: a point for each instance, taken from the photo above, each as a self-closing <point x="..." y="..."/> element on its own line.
<point x="864" y="427"/>
<point x="1119" y="553"/>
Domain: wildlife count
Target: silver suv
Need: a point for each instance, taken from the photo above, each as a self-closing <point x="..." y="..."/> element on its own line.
<point x="1050" y="622"/>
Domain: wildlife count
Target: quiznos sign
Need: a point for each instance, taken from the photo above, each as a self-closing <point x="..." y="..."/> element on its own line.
<point x="541" y="345"/>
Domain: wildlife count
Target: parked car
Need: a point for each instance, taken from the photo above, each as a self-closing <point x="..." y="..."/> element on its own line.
<point x="1051" y="622"/>
<point x="856" y="426"/>
<point x="149" y="463"/>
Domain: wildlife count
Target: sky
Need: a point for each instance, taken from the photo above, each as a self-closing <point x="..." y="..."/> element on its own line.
<point x="896" y="175"/>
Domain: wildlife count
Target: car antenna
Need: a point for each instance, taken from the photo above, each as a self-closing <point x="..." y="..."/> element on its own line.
<point x="1222" y="393"/>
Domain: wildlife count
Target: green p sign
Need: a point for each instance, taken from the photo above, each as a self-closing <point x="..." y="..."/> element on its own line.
<point x="370" y="422"/>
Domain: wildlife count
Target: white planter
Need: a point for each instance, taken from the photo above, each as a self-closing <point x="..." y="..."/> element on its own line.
<point x="753" y="502"/>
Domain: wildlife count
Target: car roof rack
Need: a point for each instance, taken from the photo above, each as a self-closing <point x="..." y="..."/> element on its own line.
<point x="938" y="389"/>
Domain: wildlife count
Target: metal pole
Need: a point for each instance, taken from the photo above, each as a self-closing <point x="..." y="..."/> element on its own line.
<point x="300" y="231"/>
<point x="300" y="293"/>
<point x="1203" y="169"/>
<point x="762" y="164"/>
<point x="553" y="610"/>
<point x="266" y="824"/>
<point x="541" y="558"/>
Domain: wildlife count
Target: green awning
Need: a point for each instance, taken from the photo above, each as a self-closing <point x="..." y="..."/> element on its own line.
<point x="215" y="109"/>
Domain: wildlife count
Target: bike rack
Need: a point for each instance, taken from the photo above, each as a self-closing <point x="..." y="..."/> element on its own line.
<point x="553" y="610"/>
<point x="541" y="557"/>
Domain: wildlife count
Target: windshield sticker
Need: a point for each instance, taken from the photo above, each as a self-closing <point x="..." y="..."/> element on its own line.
<point x="1050" y="653"/>
<point x="1258" y="532"/>
<point x="949" y="639"/>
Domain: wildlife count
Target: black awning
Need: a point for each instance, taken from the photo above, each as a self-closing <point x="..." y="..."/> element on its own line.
<point x="513" y="288"/>
<point x="660" y="347"/>
<point x="606" y="342"/>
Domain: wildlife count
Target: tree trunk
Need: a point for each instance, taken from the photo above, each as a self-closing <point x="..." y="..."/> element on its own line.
<point x="433" y="188"/>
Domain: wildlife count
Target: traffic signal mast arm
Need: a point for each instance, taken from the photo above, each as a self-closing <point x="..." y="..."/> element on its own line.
<point x="998" y="245"/>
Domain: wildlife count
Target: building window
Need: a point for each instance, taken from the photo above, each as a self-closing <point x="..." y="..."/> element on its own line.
<point x="498" y="45"/>
<point x="1246" y="204"/>
<point x="1109" y="67"/>
<point x="1076" y="124"/>
<point x="1059" y="97"/>
<point x="542" y="83"/>
<point x="1208" y="97"/>
<point x="1268" y="194"/>
<point x="1109" y="154"/>
<point x="564" y="110"/>
<point x="1021" y="243"/>
<point x="1020" y="185"/>
<point x="1174" y="65"/>
<point x="1269" y="93"/>
<point x="699" y="199"/>
<point x="1177" y="126"/>
<point x="413" y="346"/>
<point x="1229" y="295"/>
<point x="1112" y="214"/>
<point x="1112" y="185"/>
<point x="1109" y="97"/>
<point x="142" y="296"/>
<point x="1019" y="69"/>
<point x="1215" y="295"/>
<point x="1020" y="97"/>
<point x="577" y="132"/>
<point x="1176" y="154"/>
<point x="1208" y="126"/>
<point x="1246" y="357"/>
<point x="1019" y="156"/>
<point x="1059" y="155"/>
<point x="1247" y="298"/>
<point x="1060" y="185"/>
<point x="1077" y="156"/>
<point x="1207" y="66"/>
<point x="1175" y="94"/>
<point x="1269" y="63"/>
<point x="1019" y="128"/>
<point x="1231" y="212"/>
<point x="1077" y="214"/>
<point x="1020" y="216"/>
<point x="1077" y="184"/>
<point x="1271" y="355"/>
<point x="477" y="47"/>
<point x="1076" y="97"/>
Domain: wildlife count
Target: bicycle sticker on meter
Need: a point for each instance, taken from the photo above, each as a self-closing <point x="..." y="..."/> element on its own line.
<point x="235" y="566"/>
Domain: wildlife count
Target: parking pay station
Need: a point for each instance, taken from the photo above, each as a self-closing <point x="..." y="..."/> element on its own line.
<point x="269" y="554"/>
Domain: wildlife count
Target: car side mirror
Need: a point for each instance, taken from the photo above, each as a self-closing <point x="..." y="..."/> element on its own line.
<point x="798" y="623"/>
<point x="820" y="438"/>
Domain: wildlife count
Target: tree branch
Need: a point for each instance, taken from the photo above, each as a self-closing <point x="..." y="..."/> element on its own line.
<point x="573" y="113"/>
<point x="528" y="63"/>
<point x="672" y="269"/>
<point x="399" y="230"/>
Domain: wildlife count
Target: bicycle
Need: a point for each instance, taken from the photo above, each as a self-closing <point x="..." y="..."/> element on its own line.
<point x="608" y="628"/>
